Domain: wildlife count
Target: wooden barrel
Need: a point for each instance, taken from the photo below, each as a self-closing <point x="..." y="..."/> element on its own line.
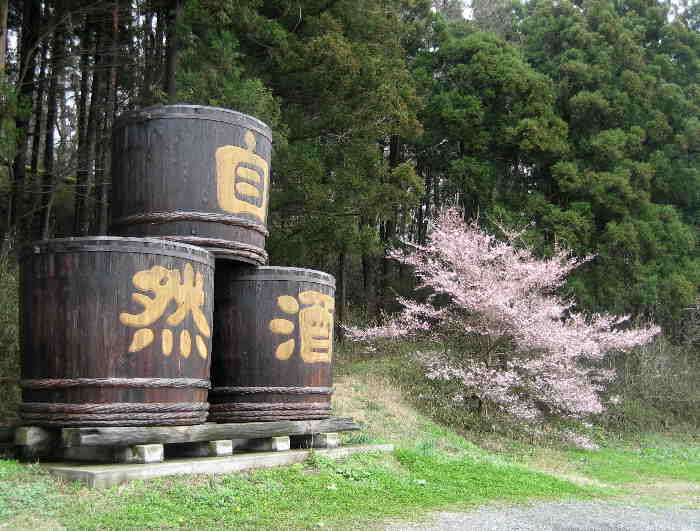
<point x="115" y="332"/>
<point x="273" y="344"/>
<point x="193" y="174"/>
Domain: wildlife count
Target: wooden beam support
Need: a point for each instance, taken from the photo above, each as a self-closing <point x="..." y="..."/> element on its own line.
<point x="128" y="436"/>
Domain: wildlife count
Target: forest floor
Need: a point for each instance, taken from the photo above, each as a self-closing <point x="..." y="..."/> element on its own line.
<point x="437" y="478"/>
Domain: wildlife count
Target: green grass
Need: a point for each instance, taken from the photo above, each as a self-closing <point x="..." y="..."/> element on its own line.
<point x="348" y="493"/>
<point x="622" y="464"/>
<point x="26" y="489"/>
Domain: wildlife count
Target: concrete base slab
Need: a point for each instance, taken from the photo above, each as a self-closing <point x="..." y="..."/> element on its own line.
<point x="101" y="476"/>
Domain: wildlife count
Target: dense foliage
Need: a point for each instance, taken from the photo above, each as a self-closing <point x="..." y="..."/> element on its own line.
<point x="578" y="120"/>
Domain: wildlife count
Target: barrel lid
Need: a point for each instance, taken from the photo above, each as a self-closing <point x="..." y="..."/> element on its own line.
<point x="118" y="245"/>
<point x="297" y="274"/>
<point x="195" y="112"/>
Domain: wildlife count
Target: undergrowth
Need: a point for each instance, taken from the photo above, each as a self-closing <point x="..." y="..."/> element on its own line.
<point x="9" y="335"/>
<point x="657" y="386"/>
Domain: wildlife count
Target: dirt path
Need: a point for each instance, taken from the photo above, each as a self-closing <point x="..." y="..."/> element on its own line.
<point x="561" y="516"/>
<point x="668" y="506"/>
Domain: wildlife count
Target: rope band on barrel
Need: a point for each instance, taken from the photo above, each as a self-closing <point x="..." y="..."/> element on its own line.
<point x="217" y="245"/>
<point x="182" y="420"/>
<point x="114" y="407"/>
<point x="185" y="215"/>
<point x="269" y="406"/>
<point x="276" y="390"/>
<point x="130" y="383"/>
<point x="107" y="244"/>
<point x="252" y="416"/>
<point x="152" y="416"/>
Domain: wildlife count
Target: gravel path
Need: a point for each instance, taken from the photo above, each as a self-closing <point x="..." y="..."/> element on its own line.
<point x="562" y="516"/>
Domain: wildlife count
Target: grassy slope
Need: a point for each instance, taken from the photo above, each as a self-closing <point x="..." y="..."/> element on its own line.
<point x="433" y="468"/>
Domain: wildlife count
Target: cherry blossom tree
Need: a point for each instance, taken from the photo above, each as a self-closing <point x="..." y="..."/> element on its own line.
<point x="504" y="333"/>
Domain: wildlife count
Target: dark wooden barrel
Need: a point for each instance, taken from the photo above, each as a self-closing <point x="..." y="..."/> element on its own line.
<point x="193" y="174"/>
<point x="273" y="344"/>
<point x="115" y="332"/>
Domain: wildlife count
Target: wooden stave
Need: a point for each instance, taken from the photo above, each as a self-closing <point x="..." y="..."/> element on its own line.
<point x="154" y="179"/>
<point x="49" y="256"/>
<point x="231" y="392"/>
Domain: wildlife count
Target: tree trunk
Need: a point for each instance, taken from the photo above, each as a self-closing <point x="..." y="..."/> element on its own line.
<point x="158" y="51"/>
<point x="341" y="293"/>
<point x="3" y="37"/>
<point x="36" y="135"/>
<point x="49" y="179"/>
<point x="172" y="49"/>
<point x="437" y="202"/>
<point x="389" y="231"/>
<point x="99" y="223"/>
<point x="112" y="107"/>
<point x="146" y="93"/>
<point x="109" y="107"/>
<point x="83" y="172"/>
<point x="368" y="277"/>
<point x="95" y="119"/>
<point x="25" y="89"/>
<point x="424" y="212"/>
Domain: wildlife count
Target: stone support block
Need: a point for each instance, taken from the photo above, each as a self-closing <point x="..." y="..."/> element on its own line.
<point x="200" y="449"/>
<point x="325" y="440"/>
<point x="141" y="454"/>
<point x="270" y="444"/>
<point x="34" y="442"/>
<point x="316" y="440"/>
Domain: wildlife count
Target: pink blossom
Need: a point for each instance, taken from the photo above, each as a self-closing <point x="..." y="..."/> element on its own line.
<point x="581" y="442"/>
<point x="503" y="297"/>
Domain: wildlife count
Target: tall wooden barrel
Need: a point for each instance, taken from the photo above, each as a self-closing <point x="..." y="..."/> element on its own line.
<point x="115" y="332"/>
<point x="193" y="174"/>
<point x="273" y="344"/>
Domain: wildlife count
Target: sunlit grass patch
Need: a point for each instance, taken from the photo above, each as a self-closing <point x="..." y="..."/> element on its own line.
<point x="343" y="494"/>
<point x="620" y="464"/>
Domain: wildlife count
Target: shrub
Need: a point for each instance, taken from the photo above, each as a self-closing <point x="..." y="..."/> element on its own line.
<point x="658" y="386"/>
<point x="9" y="335"/>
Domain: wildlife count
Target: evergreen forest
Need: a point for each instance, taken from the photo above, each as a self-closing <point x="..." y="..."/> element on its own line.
<point x="577" y="120"/>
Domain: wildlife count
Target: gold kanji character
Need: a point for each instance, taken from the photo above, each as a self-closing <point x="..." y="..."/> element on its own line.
<point x="167" y="285"/>
<point x="242" y="179"/>
<point x="315" y="326"/>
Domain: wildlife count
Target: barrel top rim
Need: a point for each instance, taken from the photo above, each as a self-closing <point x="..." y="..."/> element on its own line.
<point x="162" y="112"/>
<point x="282" y="270"/>
<point x="165" y="244"/>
